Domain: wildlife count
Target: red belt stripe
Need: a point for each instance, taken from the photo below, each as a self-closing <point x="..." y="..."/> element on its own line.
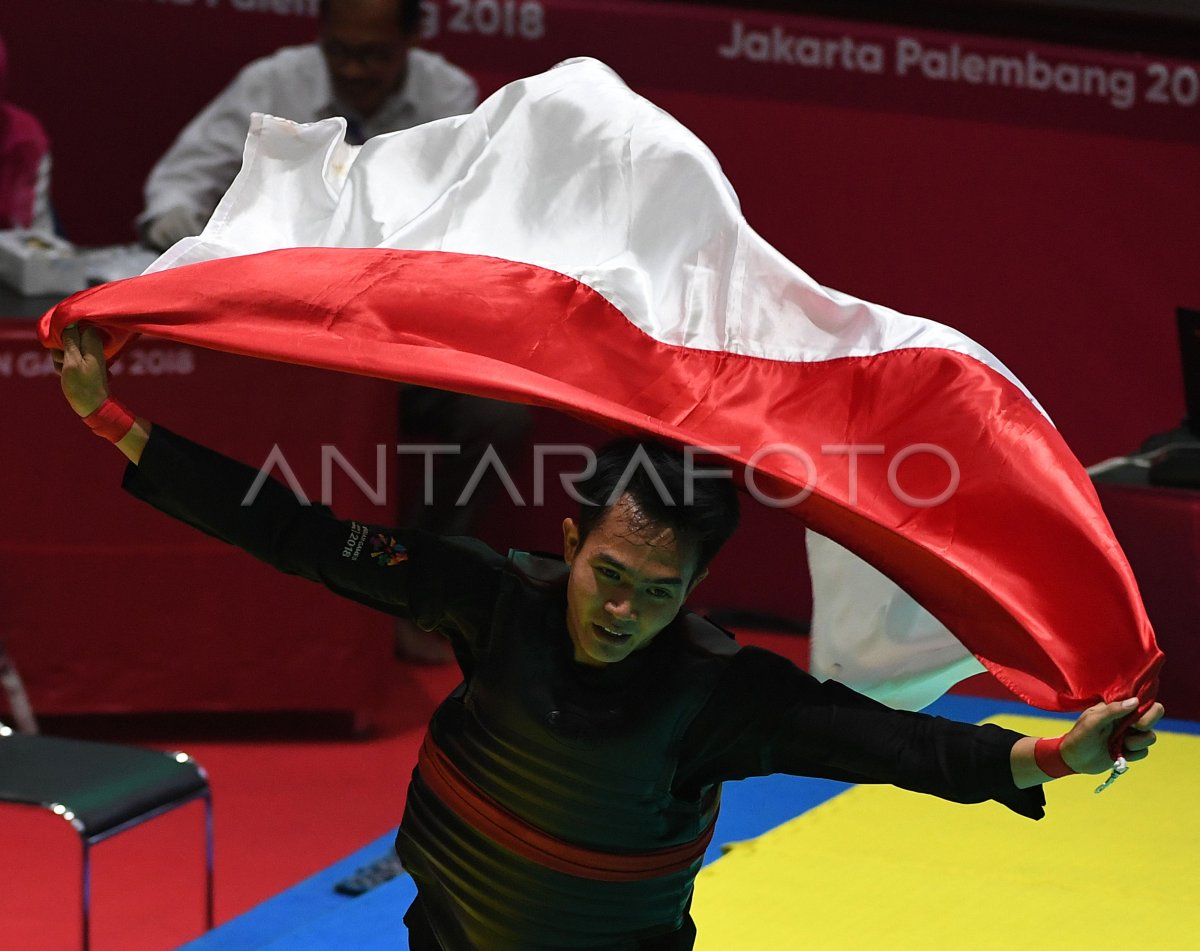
<point x="501" y="826"/>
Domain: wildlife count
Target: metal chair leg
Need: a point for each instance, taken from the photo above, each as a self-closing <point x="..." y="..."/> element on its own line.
<point x="209" y="855"/>
<point x="208" y="858"/>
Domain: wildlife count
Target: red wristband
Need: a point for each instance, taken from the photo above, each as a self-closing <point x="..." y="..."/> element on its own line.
<point x="111" y="420"/>
<point x="1048" y="756"/>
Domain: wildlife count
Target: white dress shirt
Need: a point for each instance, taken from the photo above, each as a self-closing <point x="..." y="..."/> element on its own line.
<point x="292" y="83"/>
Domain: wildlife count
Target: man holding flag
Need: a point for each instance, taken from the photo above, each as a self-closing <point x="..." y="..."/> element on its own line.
<point x="570" y="245"/>
<point x="566" y="791"/>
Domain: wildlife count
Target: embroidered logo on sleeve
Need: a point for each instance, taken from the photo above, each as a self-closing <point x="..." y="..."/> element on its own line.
<point x="387" y="551"/>
<point x="354" y="543"/>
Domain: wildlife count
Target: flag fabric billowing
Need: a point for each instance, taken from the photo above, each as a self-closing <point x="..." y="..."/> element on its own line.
<point x="568" y="244"/>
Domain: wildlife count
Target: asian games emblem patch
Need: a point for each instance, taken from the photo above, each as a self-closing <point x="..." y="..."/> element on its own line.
<point x="387" y="551"/>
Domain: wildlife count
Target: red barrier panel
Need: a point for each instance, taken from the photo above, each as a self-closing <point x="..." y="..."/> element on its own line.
<point x="107" y="605"/>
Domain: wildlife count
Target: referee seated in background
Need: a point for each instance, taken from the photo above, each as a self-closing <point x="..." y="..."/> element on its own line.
<point x="364" y="67"/>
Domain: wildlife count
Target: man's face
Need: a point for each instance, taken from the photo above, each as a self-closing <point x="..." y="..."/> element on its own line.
<point x="365" y="50"/>
<point x="629" y="578"/>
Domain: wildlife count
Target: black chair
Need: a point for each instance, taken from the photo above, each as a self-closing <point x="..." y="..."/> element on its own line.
<point x="102" y="789"/>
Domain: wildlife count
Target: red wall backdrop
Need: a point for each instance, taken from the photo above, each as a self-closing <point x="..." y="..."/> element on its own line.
<point x="1042" y="199"/>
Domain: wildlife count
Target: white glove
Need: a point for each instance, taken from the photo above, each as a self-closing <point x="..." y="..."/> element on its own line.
<point x="171" y="226"/>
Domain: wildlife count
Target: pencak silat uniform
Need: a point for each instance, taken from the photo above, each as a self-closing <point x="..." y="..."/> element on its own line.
<point x="557" y="805"/>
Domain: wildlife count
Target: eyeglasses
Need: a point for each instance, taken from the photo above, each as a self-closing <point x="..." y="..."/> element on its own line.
<point x="371" y="54"/>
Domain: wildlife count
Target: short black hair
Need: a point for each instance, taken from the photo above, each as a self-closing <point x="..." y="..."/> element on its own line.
<point x="409" y="12"/>
<point x="694" y="501"/>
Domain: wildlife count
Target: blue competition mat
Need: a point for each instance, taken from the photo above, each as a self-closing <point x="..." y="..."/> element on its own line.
<point x="312" y="916"/>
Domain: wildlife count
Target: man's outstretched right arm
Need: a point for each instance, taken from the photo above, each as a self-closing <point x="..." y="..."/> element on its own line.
<point x="435" y="581"/>
<point x="189" y="482"/>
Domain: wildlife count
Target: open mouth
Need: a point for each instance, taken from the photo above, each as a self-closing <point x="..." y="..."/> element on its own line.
<point x="609" y="636"/>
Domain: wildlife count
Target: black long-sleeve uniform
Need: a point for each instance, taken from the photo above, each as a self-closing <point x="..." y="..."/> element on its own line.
<point x="623" y="760"/>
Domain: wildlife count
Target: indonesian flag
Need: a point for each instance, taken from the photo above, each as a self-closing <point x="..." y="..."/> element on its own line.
<point x="570" y="245"/>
